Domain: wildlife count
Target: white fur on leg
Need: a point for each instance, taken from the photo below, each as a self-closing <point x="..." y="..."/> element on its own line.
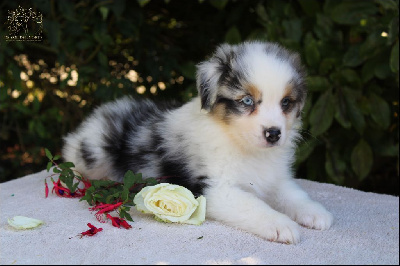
<point x="294" y="202"/>
<point x="243" y="210"/>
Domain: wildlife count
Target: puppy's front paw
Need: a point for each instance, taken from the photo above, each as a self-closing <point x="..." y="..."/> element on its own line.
<point x="314" y="216"/>
<point x="282" y="229"/>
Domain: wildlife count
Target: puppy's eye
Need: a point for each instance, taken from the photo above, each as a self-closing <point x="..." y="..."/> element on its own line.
<point x="286" y="103"/>
<point x="247" y="100"/>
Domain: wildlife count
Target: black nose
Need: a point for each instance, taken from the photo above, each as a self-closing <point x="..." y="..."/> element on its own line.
<point x="272" y="134"/>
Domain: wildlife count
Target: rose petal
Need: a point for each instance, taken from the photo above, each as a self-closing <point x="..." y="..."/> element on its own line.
<point x="199" y="215"/>
<point x="139" y="201"/>
<point x="22" y="222"/>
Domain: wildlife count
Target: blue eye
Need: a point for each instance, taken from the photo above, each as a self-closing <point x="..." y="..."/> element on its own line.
<point x="247" y="100"/>
<point x="285" y="101"/>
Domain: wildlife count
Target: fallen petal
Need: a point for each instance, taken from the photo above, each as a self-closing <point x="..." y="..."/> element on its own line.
<point x="92" y="231"/>
<point x="22" y="222"/>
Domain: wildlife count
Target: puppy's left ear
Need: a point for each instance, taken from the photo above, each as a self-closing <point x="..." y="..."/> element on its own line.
<point x="301" y="89"/>
<point x="209" y="73"/>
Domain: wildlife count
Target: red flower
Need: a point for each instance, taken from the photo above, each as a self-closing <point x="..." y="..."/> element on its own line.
<point x="46" y="190"/>
<point x="118" y="222"/>
<point x="104" y="208"/>
<point x="92" y="231"/>
<point x="62" y="191"/>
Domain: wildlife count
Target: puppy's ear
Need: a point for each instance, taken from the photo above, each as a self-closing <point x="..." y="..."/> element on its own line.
<point x="209" y="73"/>
<point x="301" y="89"/>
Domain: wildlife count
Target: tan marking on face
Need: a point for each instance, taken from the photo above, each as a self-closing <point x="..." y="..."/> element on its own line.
<point x="219" y="112"/>
<point x="257" y="96"/>
<point x="254" y="92"/>
<point x="288" y="90"/>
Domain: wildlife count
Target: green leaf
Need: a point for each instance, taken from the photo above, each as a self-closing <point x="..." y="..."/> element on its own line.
<point x="151" y="181"/>
<point x="327" y="65"/>
<point x="56" y="170"/>
<point x="102" y="59"/>
<point x="124" y="214"/>
<point x="322" y="113"/>
<point x="40" y="129"/>
<point x="324" y="26"/>
<point x="388" y="4"/>
<point x="219" y="4"/>
<point x="142" y="3"/>
<point x="393" y="31"/>
<point x="66" y="165"/>
<point x="66" y="8"/>
<point x="335" y="166"/>
<point x="353" y="111"/>
<point x="381" y="111"/>
<point x="130" y="179"/>
<point x="341" y="113"/>
<point x="293" y="29"/>
<point x="362" y="159"/>
<point x="304" y="150"/>
<point x="83" y="44"/>
<point x="74" y="187"/>
<point x="262" y="14"/>
<point x="48" y="154"/>
<point x="368" y="70"/>
<point x="394" y="58"/>
<point x="351" y="77"/>
<point x="109" y="199"/>
<point x="104" y="12"/>
<point x="382" y="70"/>
<point x="233" y="36"/>
<point x="97" y="196"/>
<point x="49" y="165"/>
<point x="56" y="157"/>
<point x="312" y="53"/>
<point x="387" y="149"/>
<point x="101" y="183"/>
<point x="352" y="57"/>
<point x="125" y="194"/>
<point x="310" y="7"/>
<point x="88" y="197"/>
<point x="317" y="83"/>
<point x="352" y="12"/>
<point x="67" y="176"/>
<point x="373" y="43"/>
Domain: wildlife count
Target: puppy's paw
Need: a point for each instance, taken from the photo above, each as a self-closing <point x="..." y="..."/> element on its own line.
<point x="314" y="216"/>
<point x="283" y="230"/>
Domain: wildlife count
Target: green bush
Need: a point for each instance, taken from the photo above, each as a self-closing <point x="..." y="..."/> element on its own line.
<point x="95" y="51"/>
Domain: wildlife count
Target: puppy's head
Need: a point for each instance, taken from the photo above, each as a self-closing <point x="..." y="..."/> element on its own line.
<point x="256" y="90"/>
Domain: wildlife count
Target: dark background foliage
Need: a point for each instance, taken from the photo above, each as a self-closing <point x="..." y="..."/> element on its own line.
<point x="96" y="51"/>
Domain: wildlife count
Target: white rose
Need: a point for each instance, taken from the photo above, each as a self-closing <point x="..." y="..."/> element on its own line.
<point x="171" y="203"/>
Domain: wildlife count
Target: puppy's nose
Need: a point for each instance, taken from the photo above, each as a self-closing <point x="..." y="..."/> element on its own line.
<point x="272" y="134"/>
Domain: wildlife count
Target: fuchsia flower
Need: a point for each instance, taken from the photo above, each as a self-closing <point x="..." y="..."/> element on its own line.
<point x="118" y="222"/>
<point x="92" y="231"/>
<point x="104" y="208"/>
<point x="62" y="191"/>
<point x="100" y="208"/>
<point x="46" y="190"/>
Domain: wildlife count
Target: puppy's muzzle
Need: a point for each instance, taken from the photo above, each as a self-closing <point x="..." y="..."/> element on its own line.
<point x="272" y="134"/>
